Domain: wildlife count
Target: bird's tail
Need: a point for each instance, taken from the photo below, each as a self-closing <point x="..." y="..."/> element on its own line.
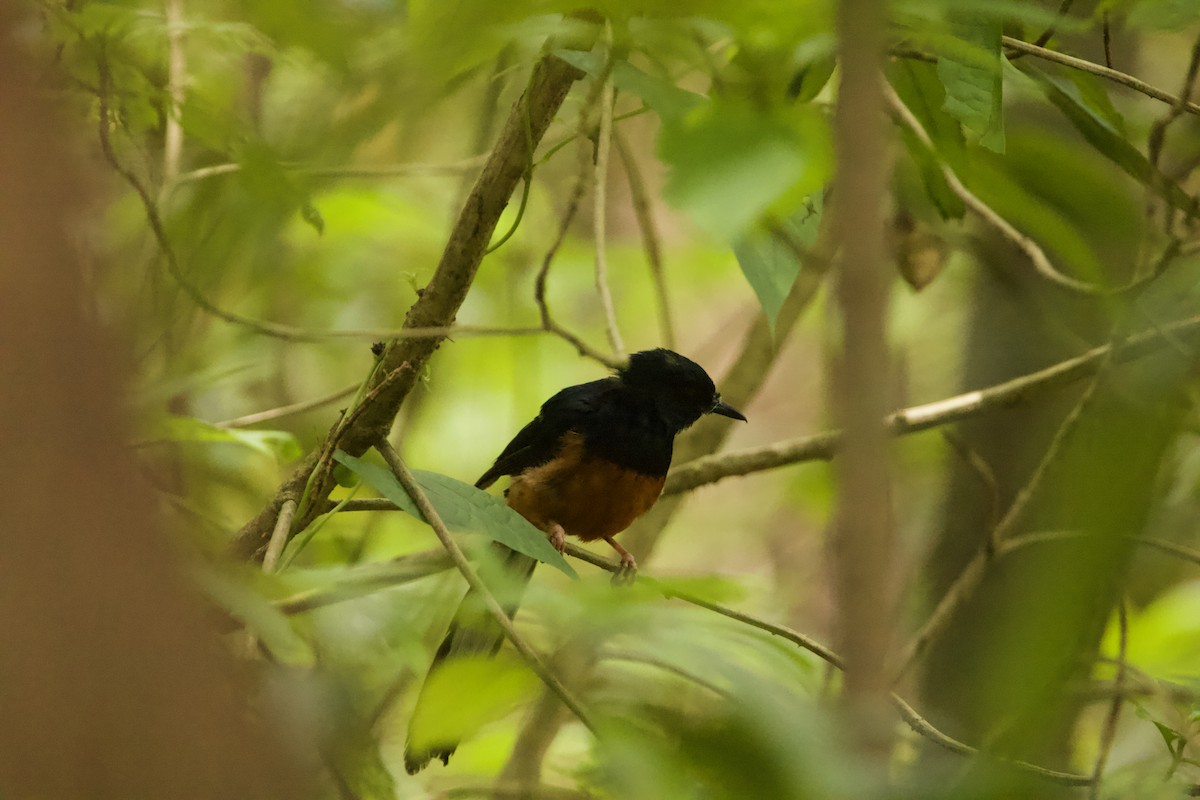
<point x="473" y="632"/>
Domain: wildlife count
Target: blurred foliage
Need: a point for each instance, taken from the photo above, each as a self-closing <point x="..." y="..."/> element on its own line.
<point x="326" y="148"/>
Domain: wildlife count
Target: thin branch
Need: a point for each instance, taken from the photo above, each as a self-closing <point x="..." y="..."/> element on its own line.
<point x="279" y="536"/>
<point x="1158" y="132"/>
<point x="1108" y="73"/>
<point x="982" y="470"/>
<point x="1107" y="37"/>
<point x="288" y="410"/>
<point x="453" y="169"/>
<point x="1032" y="250"/>
<point x="600" y="198"/>
<point x="1109" y="733"/>
<point x="967" y="581"/>
<point x="367" y="579"/>
<point x="532" y="659"/>
<point x="643" y="212"/>
<point x="176" y="85"/>
<point x="822" y="446"/>
<point x="539" y="286"/>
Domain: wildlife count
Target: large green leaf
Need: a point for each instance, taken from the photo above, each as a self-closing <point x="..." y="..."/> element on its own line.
<point x="972" y="75"/>
<point x="731" y="160"/>
<point x="464" y="694"/>
<point x="1100" y="134"/>
<point x="771" y="266"/>
<point x="463" y="508"/>
<point x="917" y="84"/>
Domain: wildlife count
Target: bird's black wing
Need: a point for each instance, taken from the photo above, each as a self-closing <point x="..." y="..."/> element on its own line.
<point x="538" y="441"/>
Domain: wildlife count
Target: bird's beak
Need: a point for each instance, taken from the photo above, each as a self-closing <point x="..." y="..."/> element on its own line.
<point x="726" y="410"/>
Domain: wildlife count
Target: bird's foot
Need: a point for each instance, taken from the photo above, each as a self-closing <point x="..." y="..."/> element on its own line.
<point x="627" y="572"/>
<point x="557" y="537"/>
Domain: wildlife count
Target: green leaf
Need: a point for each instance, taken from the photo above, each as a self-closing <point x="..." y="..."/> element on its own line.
<point x="664" y="97"/>
<point x="973" y="79"/>
<point x="1101" y="135"/>
<point x="463" y="508"/>
<point x="274" y="444"/>
<point x="769" y="265"/>
<point x="464" y="694"/>
<point x="730" y="161"/>
<point x="917" y="84"/>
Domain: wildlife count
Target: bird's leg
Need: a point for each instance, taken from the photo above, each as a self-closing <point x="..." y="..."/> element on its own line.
<point x="557" y="537"/>
<point x="628" y="568"/>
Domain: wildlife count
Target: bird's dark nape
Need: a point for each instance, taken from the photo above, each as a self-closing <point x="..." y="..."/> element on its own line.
<point x="593" y="460"/>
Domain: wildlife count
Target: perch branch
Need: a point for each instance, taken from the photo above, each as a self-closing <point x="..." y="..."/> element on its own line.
<point x="822" y="446"/>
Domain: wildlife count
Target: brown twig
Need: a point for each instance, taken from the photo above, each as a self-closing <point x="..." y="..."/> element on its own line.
<point x="540" y="283"/>
<point x="822" y="446"/>
<point x="1109" y="733"/>
<point x="1107" y="73"/>
<point x="600" y="197"/>
<point x="288" y="410"/>
<point x="1047" y="34"/>
<point x="279" y="536"/>
<point x="644" y="213"/>
<point x="528" y="654"/>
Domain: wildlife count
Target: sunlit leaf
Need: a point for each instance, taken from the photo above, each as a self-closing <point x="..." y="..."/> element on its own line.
<point x="464" y="694"/>
<point x="973" y="79"/>
<point x="463" y="508"/>
<point x="770" y="265"/>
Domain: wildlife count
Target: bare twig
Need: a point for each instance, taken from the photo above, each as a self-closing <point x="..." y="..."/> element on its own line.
<point x="600" y="198"/>
<point x="539" y="286"/>
<point x="530" y="656"/>
<point x="1108" y="73"/>
<point x="279" y="536"/>
<point x="644" y="214"/>
<point x="1109" y="733"/>
<point x="1107" y="36"/>
<point x="288" y="410"/>
<point x="453" y="168"/>
<point x="822" y="446"/>
<point x="1158" y="132"/>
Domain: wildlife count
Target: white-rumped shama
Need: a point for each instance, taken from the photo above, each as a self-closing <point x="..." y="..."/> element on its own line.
<point x="593" y="460"/>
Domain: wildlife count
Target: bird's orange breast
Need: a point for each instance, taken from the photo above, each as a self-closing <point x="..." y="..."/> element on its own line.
<point x="590" y="497"/>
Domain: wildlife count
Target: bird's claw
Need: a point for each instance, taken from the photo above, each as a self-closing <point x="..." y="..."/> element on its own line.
<point x="626" y="574"/>
<point x="558" y="538"/>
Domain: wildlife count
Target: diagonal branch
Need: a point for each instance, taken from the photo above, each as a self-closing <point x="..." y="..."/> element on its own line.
<point x="441" y="298"/>
<point x="822" y="446"/>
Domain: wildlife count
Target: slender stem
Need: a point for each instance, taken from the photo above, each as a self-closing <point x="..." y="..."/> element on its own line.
<point x="600" y="200"/>
<point x="822" y="446"/>
<point x="476" y="583"/>
<point x="1109" y="734"/>
<point x="279" y="536"/>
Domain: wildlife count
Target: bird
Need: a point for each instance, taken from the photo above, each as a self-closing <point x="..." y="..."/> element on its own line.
<point x="593" y="460"/>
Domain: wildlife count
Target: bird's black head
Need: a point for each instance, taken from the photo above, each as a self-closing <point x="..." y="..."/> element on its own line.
<point x="678" y="387"/>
